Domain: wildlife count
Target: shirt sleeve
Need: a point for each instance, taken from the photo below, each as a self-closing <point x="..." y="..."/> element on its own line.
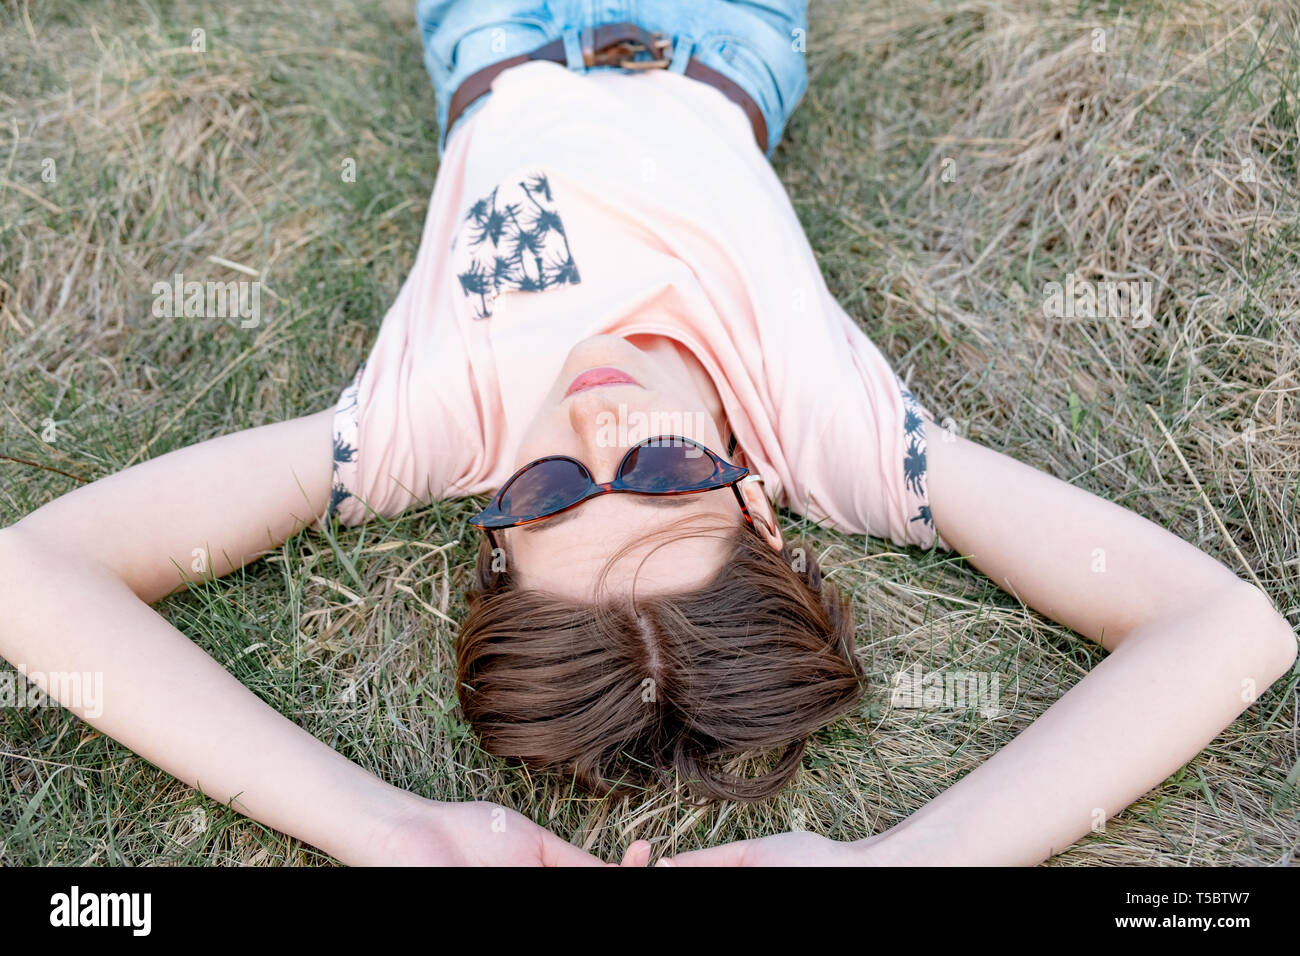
<point x="916" y="496"/>
<point x="345" y="482"/>
<point x="868" y="468"/>
<point x="409" y="426"/>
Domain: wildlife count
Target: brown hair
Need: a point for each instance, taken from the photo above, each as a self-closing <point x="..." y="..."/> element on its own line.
<point x="621" y="692"/>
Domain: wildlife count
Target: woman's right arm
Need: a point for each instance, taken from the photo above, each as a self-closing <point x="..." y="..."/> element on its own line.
<point x="76" y="580"/>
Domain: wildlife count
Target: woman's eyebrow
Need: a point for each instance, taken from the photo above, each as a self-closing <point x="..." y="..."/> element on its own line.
<point x="551" y="522"/>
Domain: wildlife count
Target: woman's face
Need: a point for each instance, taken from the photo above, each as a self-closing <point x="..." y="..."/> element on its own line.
<point x="595" y="418"/>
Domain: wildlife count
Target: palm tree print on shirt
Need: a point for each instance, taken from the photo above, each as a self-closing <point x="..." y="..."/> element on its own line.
<point x="514" y="240"/>
<point x="343" y="454"/>
<point x="914" y="460"/>
<point x="345" y="442"/>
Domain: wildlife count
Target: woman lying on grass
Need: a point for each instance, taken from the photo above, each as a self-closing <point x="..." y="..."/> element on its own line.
<point x="616" y="327"/>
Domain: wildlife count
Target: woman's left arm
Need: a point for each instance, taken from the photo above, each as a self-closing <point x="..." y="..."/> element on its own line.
<point x="1191" y="647"/>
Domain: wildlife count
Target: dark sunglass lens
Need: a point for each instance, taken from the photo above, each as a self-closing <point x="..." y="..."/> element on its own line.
<point x="544" y="488"/>
<point x="668" y="465"/>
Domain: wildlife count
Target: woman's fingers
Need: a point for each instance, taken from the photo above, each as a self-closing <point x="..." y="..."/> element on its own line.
<point x="728" y="854"/>
<point x="557" y="852"/>
<point x="638" y="854"/>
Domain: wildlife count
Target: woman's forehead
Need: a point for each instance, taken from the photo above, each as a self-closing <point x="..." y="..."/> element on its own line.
<point x="569" y="558"/>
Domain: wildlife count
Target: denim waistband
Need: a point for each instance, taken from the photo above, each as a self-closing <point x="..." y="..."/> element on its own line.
<point x="758" y="44"/>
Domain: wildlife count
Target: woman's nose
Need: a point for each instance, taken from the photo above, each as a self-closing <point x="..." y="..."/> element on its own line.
<point x="595" y="423"/>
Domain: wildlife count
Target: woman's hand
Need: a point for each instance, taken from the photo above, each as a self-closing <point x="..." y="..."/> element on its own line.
<point x="430" y="833"/>
<point x="784" y="849"/>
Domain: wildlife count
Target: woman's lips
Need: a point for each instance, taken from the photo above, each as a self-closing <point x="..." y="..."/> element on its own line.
<point x="597" y="377"/>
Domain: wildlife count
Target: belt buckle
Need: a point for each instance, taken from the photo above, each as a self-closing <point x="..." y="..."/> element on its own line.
<point x="621" y="54"/>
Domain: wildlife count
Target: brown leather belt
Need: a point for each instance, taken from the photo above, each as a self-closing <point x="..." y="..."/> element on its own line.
<point x="613" y="44"/>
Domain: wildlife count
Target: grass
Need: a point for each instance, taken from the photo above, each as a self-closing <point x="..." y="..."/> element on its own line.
<point x="948" y="160"/>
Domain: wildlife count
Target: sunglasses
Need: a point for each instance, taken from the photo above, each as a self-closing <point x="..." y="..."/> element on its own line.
<point x="663" y="465"/>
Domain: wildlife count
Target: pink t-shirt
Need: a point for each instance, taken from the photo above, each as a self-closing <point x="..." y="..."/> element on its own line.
<point x="572" y="205"/>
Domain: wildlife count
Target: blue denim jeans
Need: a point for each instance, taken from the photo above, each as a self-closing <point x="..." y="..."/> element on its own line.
<point x="756" y="43"/>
